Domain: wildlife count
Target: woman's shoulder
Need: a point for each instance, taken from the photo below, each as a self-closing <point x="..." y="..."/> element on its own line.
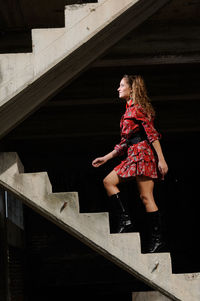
<point x="139" y="111"/>
<point x="141" y="114"/>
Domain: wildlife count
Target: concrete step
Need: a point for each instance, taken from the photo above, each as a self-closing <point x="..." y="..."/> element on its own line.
<point x="10" y="165"/>
<point x="63" y="209"/>
<point x="188" y="286"/>
<point x="82" y="22"/>
<point x="42" y="38"/>
<point x="35" y="186"/>
<point x="75" y="13"/>
<point x="35" y="191"/>
<point x="16" y="72"/>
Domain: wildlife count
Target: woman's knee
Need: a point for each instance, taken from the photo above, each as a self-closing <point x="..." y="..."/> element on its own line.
<point x="146" y="198"/>
<point x="107" y="182"/>
<point x="111" y="180"/>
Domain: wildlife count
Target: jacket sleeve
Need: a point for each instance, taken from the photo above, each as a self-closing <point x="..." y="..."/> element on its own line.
<point x="147" y="124"/>
<point x="121" y="147"/>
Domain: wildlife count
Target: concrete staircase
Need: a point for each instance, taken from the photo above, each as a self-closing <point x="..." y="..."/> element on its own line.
<point x="29" y="79"/>
<point x="51" y="45"/>
<point x="35" y="190"/>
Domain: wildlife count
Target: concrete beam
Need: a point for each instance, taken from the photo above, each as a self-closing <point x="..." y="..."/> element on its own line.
<point x="149" y="296"/>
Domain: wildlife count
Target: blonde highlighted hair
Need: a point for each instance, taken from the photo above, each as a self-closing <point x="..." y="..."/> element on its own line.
<point x="137" y="84"/>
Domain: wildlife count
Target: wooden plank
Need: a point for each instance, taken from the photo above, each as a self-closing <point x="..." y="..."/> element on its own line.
<point x="158" y="38"/>
<point x="99" y="101"/>
<point x="103" y="134"/>
<point x="149" y="61"/>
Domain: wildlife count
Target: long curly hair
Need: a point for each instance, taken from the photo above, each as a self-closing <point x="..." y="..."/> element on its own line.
<point x="137" y="84"/>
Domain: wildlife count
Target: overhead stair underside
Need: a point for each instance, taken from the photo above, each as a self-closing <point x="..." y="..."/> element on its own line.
<point x="35" y="190"/>
<point x="27" y="80"/>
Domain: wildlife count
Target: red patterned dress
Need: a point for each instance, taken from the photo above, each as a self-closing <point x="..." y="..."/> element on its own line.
<point x="140" y="158"/>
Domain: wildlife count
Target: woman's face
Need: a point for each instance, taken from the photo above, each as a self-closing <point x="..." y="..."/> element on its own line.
<point x="124" y="89"/>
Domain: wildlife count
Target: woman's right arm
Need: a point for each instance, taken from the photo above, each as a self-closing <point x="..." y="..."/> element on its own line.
<point x="101" y="160"/>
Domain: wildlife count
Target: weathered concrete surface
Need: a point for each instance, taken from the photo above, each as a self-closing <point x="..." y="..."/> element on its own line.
<point x="149" y="296"/>
<point x="52" y="45"/>
<point x="15" y="70"/>
<point x="93" y="229"/>
<point x="59" y="55"/>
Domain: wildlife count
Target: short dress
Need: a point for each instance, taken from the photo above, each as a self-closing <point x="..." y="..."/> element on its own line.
<point x="141" y="158"/>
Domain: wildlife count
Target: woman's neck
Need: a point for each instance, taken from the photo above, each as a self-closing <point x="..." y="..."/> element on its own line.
<point x="129" y="102"/>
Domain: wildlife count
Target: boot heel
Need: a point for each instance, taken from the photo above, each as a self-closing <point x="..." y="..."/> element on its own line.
<point x="125" y="225"/>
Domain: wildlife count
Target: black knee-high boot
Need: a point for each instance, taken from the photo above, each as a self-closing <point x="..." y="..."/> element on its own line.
<point x="155" y="241"/>
<point x="120" y="221"/>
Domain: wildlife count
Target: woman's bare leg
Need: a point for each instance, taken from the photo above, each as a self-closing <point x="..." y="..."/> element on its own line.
<point x="118" y="210"/>
<point x="145" y="187"/>
<point x="110" y="182"/>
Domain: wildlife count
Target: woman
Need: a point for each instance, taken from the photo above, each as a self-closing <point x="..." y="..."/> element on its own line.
<point x="144" y="162"/>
